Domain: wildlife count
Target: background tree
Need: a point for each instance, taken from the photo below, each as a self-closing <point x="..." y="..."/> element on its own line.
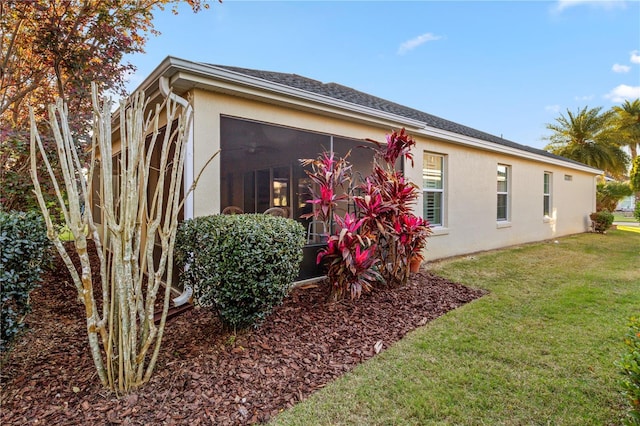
<point x="627" y="121"/>
<point x="609" y="194"/>
<point x="54" y="49"/>
<point x="634" y="180"/>
<point x="590" y="137"/>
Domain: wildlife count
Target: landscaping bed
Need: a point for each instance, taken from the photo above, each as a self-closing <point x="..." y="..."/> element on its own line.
<point x="205" y="375"/>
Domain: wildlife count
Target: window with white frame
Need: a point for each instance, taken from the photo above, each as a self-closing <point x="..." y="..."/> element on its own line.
<point x="546" y="195"/>
<point x="503" y="177"/>
<point x="433" y="188"/>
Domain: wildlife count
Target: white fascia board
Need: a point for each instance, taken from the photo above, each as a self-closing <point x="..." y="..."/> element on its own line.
<point x="459" y="139"/>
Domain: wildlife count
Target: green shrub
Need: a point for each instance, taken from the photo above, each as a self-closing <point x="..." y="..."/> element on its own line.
<point x="241" y="265"/>
<point x="636" y="212"/>
<point x="24" y="244"/>
<point x="602" y="220"/>
<point x="630" y="369"/>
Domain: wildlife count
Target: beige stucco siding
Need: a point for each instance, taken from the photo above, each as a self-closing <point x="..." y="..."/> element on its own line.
<point x="470" y="223"/>
<point x="470" y="178"/>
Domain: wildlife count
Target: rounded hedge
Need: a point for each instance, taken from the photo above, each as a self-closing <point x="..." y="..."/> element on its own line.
<point x="602" y="220"/>
<point x="241" y="265"/>
<point x="24" y="251"/>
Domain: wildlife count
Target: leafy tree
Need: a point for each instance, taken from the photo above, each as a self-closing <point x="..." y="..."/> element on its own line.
<point x="590" y="137"/>
<point x="55" y="49"/>
<point x="635" y="175"/>
<point x="608" y="194"/>
<point x="628" y="124"/>
<point x="629" y="118"/>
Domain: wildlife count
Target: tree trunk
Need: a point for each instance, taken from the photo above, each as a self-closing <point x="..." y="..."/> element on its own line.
<point x="120" y="336"/>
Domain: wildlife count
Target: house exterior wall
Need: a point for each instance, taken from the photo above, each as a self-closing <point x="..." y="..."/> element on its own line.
<point x="469" y="222"/>
<point x="470" y="178"/>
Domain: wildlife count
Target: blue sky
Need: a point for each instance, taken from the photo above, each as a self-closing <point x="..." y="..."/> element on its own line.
<point x="506" y="67"/>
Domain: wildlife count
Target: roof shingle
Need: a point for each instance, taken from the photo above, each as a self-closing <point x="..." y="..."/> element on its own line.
<point x="347" y="94"/>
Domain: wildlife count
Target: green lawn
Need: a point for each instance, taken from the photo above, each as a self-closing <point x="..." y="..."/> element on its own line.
<point x="539" y="349"/>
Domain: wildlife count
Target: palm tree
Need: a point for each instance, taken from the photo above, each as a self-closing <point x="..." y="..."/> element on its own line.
<point x="627" y="120"/>
<point x="628" y="123"/>
<point x="589" y="137"/>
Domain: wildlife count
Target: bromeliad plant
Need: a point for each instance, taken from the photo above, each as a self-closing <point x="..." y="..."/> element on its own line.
<point x="386" y="208"/>
<point x="350" y="259"/>
<point x="331" y="176"/>
<point x="385" y="218"/>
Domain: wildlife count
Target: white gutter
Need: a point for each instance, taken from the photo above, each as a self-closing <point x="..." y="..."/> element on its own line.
<point x="188" y="168"/>
<point x="453" y="137"/>
<point x="188" y="161"/>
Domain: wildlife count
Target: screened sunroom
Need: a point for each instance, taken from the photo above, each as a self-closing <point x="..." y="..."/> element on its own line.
<point x="260" y="169"/>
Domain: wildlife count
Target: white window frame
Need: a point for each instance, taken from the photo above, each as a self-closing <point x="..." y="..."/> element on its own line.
<point x="507" y="192"/>
<point x="547" y="194"/>
<point x="441" y="191"/>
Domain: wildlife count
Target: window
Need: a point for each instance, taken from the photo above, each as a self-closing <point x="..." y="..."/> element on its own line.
<point x="546" y="195"/>
<point x="433" y="188"/>
<point x="503" y="192"/>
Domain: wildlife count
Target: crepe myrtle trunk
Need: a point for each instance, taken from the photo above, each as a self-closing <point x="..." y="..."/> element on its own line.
<point x="135" y="214"/>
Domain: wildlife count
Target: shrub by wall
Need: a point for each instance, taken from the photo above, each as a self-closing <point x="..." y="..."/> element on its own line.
<point x="241" y="265"/>
<point x="24" y="250"/>
<point x="602" y="220"/>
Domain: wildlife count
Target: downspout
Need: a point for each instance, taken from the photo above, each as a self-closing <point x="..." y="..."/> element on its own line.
<point x="163" y="83"/>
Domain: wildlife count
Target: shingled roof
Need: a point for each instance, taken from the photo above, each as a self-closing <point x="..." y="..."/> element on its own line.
<point x="347" y="94"/>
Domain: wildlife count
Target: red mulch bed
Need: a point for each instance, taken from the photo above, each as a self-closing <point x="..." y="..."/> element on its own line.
<point x="205" y="375"/>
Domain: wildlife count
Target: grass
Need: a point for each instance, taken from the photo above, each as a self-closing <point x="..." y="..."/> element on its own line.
<point x="539" y="349"/>
<point x="619" y="217"/>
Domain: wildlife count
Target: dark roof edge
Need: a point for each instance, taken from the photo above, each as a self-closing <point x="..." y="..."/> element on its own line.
<point x="294" y="83"/>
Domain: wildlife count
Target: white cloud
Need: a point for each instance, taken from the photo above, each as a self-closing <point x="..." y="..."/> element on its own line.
<point x="562" y="5"/>
<point x="623" y="93"/>
<point x="584" y="98"/>
<point x="620" y="68"/>
<point x="552" y="108"/>
<point x="415" y="42"/>
<point x="635" y="57"/>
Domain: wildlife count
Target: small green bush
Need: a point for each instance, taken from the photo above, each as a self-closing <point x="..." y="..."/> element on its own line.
<point x="630" y="369"/>
<point x="241" y="265"/>
<point x="636" y="212"/>
<point x="602" y="220"/>
<point x="24" y="249"/>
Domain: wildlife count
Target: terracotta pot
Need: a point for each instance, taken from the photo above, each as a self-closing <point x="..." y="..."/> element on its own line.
<point x="414" y="264"/>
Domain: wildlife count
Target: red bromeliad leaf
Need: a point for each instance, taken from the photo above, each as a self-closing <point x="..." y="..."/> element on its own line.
<point x="398" y="144"/>
<point x="328" y="174"/>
